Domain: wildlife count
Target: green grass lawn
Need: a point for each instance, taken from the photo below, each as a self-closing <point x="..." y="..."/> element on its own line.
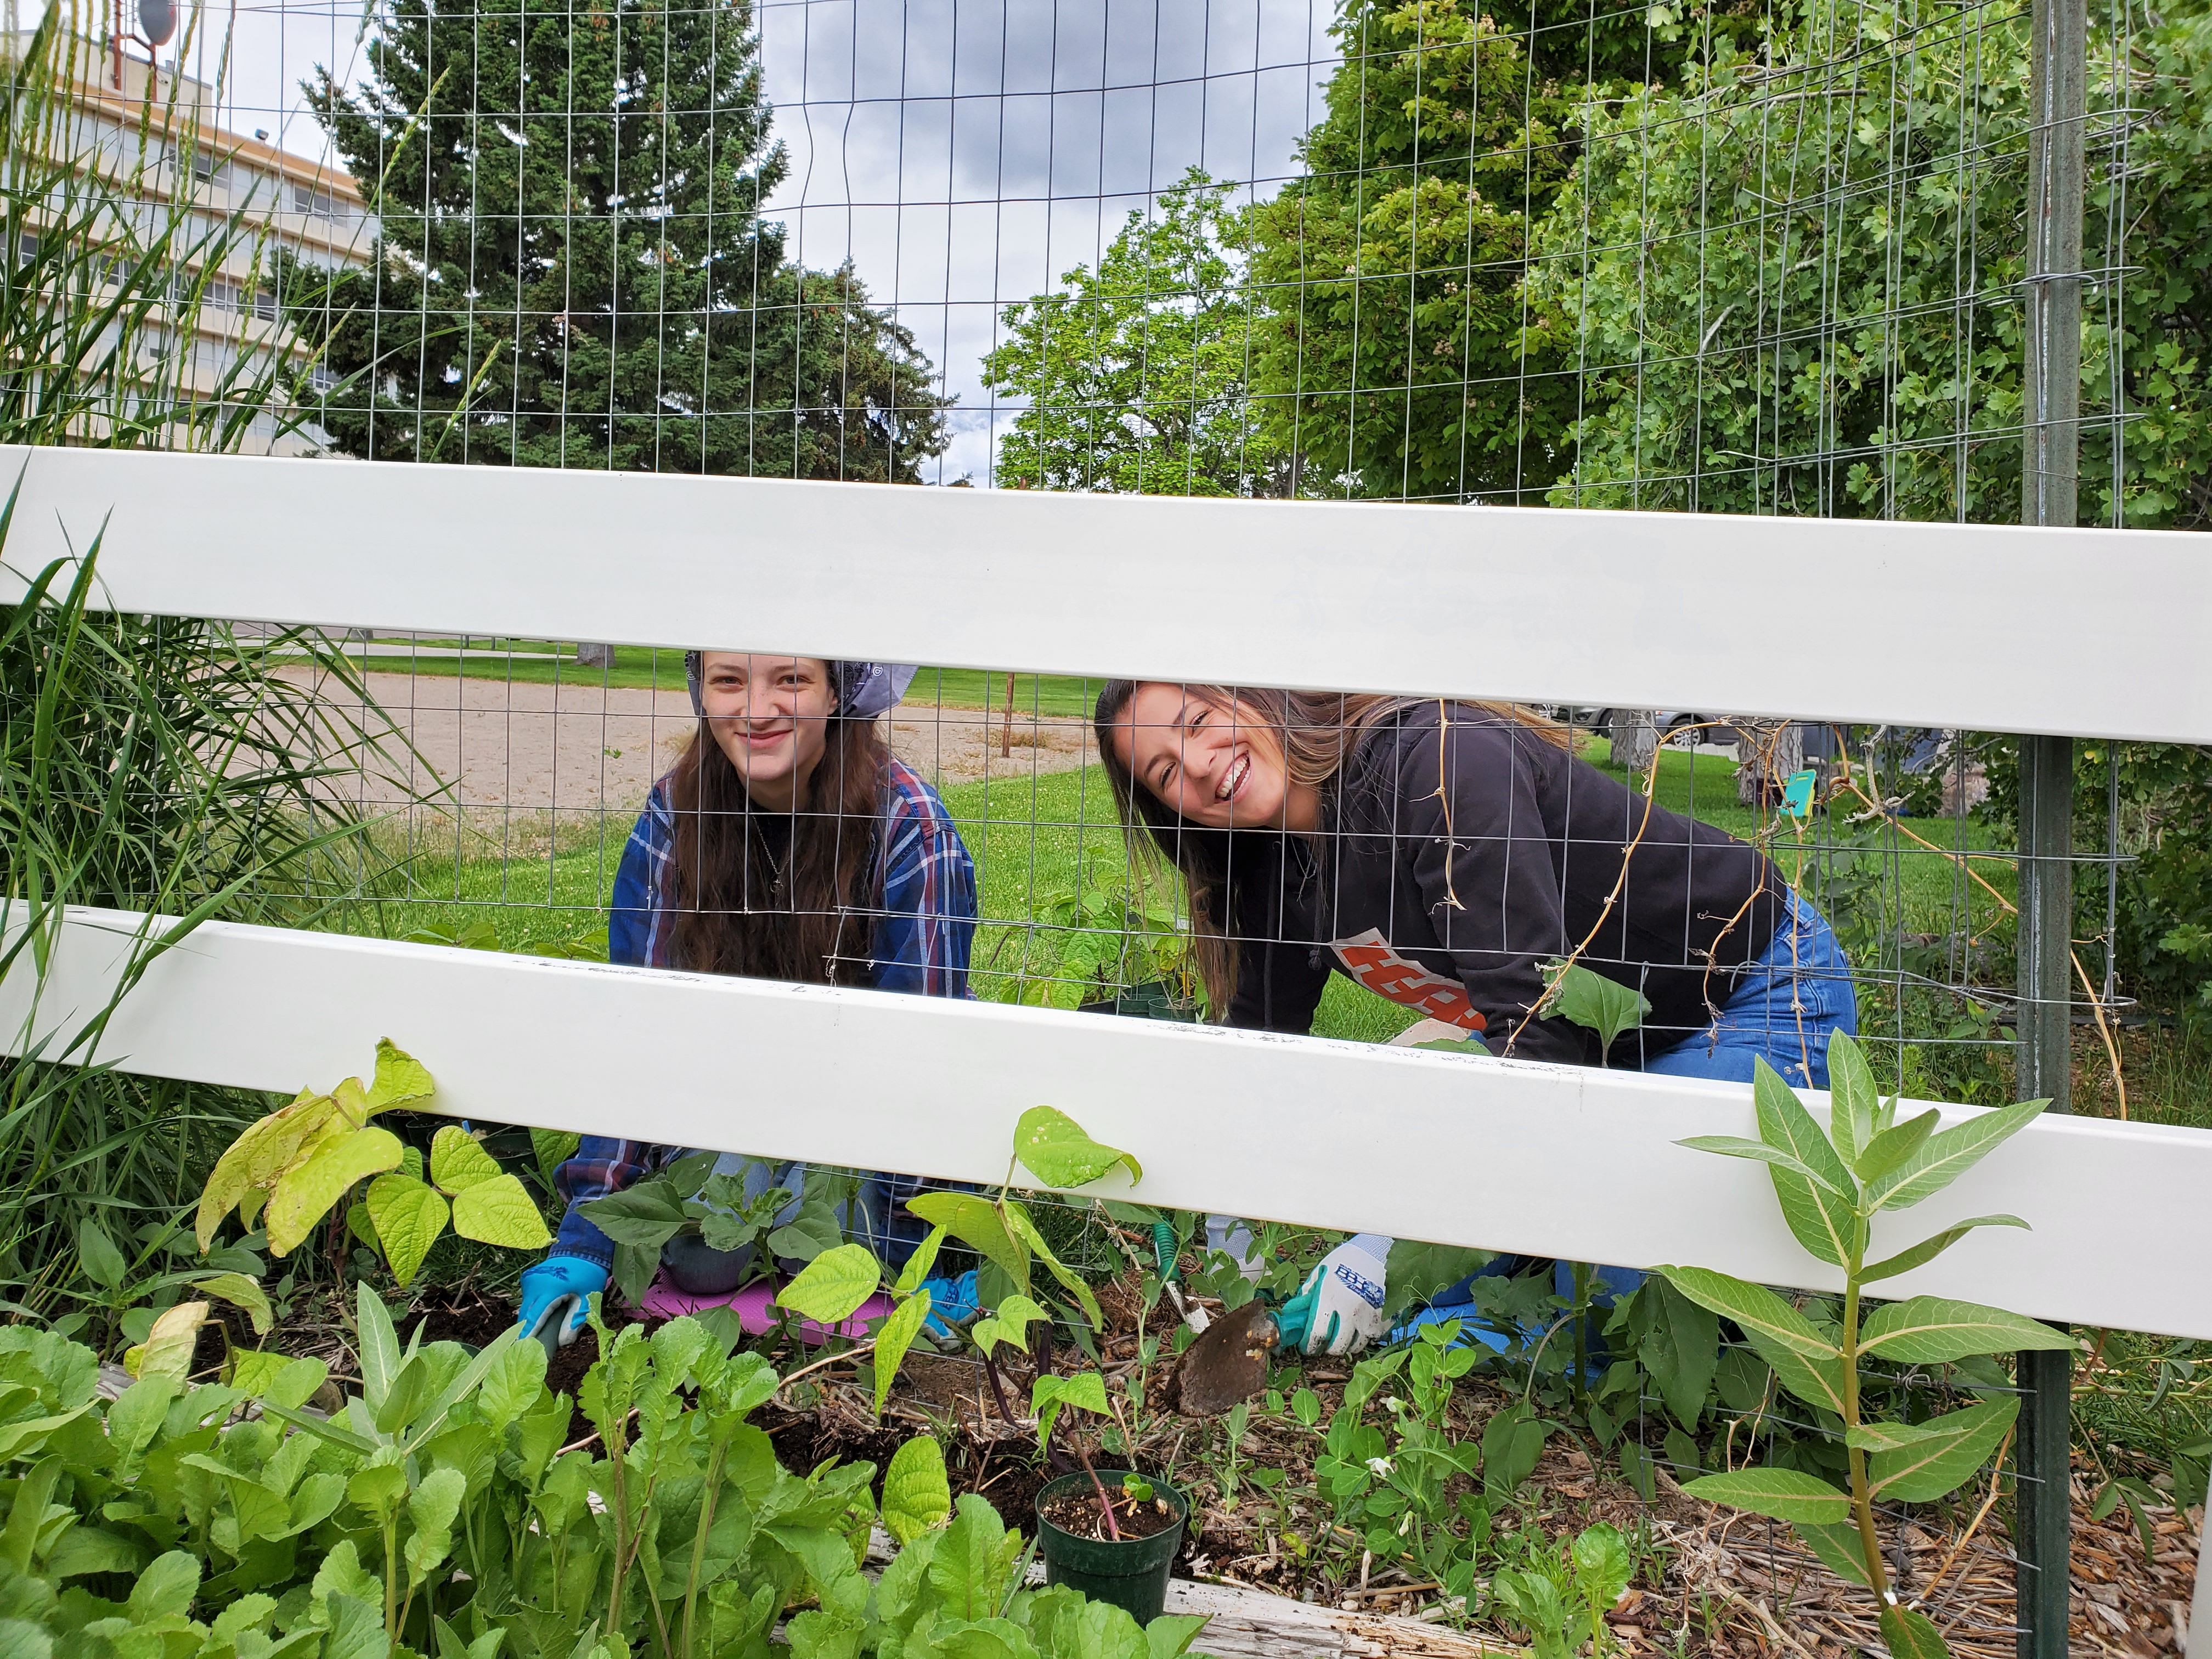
<point x="1036" y="839"/>
<point x="543" y="662"/>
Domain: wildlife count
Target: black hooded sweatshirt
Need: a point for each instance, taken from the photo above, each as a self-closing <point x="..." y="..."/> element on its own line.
<point x="1460" y="851"/>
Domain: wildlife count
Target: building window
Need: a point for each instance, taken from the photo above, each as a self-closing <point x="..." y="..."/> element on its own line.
<point x="316" y="203"/>
<point x="209" y="169"/>
<point x="323" y="378"/>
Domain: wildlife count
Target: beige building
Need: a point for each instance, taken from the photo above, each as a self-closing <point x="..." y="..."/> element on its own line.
<point x="229" y="202"/>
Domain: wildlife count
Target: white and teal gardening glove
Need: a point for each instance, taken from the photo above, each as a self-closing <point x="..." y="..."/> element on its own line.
<point x="1339" y="1309"/>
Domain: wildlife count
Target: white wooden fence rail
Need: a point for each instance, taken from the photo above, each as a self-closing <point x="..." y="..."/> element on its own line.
<point x="2097" y="633"/>
<point x="1553" y="1160"/>
<point x="1918" y="624"/>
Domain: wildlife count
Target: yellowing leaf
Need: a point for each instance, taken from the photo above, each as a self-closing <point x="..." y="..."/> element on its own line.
<point x="1058" y="1151"/>
<point x="976" y="1222"/>
<point x="401" y="1080"/>
<point x="304" y="1196"/>
<point x="167" y="1350"/>
<point x="458" y="1161"/>
<point x="263" y="1152"/>
<point x="408" y="1217"/>
<point x="352" y="1101"/>
<point x="500" y="1212"/>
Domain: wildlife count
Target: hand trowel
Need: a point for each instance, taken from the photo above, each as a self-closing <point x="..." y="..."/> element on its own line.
<point x="1229" y="1362"/>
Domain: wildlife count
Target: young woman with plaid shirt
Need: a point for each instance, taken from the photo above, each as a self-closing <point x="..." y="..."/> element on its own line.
<point x="787" y="842"/>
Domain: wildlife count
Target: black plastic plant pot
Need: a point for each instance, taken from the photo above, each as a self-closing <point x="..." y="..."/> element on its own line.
<point x="1132" y="1573"/>
<point x="697" y="1270"/>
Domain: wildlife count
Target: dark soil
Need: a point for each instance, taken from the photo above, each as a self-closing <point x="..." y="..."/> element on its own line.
<point x="1078" y="1514"/>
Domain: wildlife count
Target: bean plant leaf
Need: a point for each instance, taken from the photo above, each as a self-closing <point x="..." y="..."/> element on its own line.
<point x="1085" y="1390"/>
<point x="916" y="1494"/>
<point x="167" y="1349"/>
<point x="240" y="1292"/>
<point x="1784" y="1494"/>
<point x="1055" y="1148"/>
<point x="1820" y="1215"/>
<point x="919" y="1264"/>
<point x="458" y="1161"/>
<point x="1949" y="1153"/>
<point x="1595" y="1003"/>
<point x="1927" y="1330"/>
<point x="1025" y="1231"/>
<point x="401" y="1080"/>
<point x="304" y="1195"/>
<point x="1910" y="1635"/>
<point x="1950" y="1449"/>
<point x="830" y="1288"/>
<point x="1929" y="1248"/>
<point x="976" y="1222"/>
<point x="258" y="1157"/>
<point x="1893" y="1146"/>
<point x="407" y="1215"/>
<point x="893" y="1340"/>
<point x="501" y="1212"/>
<point x="1854" y="1101"/>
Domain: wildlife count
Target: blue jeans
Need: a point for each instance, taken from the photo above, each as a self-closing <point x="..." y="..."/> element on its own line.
<point x="1782" y="1011"/>
<point x="1784" y="1007"/>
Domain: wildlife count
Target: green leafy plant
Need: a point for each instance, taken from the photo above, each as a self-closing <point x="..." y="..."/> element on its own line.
<point x="688" y="1198"/>
<point x="437" y="1511"/>
<point x="130" y="1292"/>
<point x="1112" y="938"/>
<point x="1831" y="1186"/>
<point x="1591" y="1000"/>
<point x="1557" y="1597"/>
<point x="290" y="1168"/>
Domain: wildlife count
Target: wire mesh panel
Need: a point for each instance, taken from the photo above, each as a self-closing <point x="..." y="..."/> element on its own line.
<point x="1759" y="260"/>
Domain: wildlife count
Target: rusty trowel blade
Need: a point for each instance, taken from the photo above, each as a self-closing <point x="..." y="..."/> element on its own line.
<point x="1228" y="1363"/>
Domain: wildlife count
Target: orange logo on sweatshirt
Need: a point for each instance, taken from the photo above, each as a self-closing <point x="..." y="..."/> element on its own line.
<point x="1369" y="958"/>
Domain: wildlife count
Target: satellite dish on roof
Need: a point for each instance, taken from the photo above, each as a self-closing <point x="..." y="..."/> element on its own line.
<point x="157" y="21"/>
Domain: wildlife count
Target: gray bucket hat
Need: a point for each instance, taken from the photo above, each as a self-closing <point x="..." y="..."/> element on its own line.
<point x="865" y="690"/>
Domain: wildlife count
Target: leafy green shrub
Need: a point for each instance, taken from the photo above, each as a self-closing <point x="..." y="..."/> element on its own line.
<point x="437" y="1512"/>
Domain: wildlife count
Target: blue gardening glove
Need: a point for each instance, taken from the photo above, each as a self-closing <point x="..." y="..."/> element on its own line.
<point x="1339" y="1309"/>
<point x="951" y="1308"/>
<point x="557" y="1278"/>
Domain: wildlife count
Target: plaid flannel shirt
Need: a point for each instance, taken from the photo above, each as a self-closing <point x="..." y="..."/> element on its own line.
<point x="919" y="943"/>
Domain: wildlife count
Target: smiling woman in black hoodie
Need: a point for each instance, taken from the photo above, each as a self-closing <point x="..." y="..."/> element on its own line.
<point x="1441" y="853"/>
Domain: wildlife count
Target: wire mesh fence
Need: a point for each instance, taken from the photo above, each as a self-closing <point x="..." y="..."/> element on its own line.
<point x="1756" y="258"/>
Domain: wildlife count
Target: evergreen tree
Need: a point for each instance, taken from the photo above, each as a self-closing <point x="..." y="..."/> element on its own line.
<point x="572" y="270"/>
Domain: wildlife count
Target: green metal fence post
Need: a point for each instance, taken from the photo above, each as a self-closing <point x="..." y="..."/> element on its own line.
<point x="2050" y="474"/>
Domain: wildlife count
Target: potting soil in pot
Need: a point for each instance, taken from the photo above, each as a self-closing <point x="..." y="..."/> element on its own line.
<point x="1077" y="1513"/>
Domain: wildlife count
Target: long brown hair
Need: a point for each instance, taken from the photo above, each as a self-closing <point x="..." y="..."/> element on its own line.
<point x="1318" y="733"/>
<point x="730" y="916"/>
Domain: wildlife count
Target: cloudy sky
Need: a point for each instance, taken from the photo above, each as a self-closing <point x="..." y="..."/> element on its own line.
<point x="964" y="152"/>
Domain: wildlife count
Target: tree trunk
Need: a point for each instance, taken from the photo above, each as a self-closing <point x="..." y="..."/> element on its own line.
<point x="1635" y="734"/>
<point x="1767" y="753"/>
